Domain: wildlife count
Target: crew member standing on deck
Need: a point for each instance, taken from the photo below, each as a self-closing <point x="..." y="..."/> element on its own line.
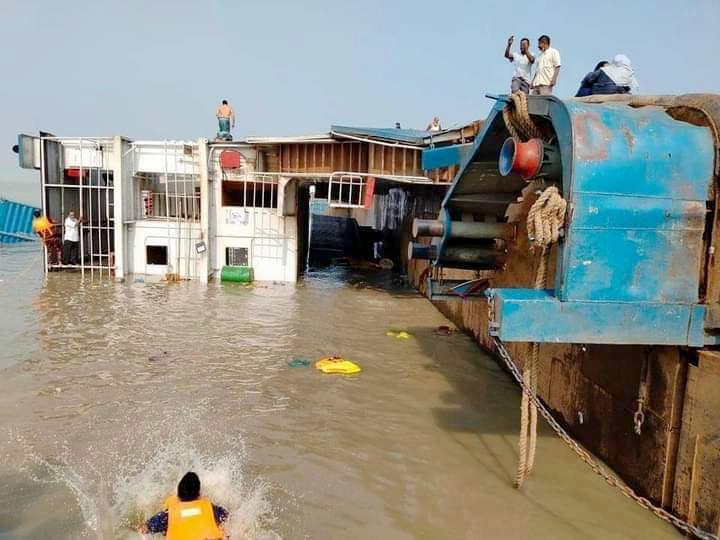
<point x="71" y="239"/>
<point x="523" y="63"/>
<point x="548" y="68"/>
<point x="187" y="515"/>
<point x="226" y="119"/>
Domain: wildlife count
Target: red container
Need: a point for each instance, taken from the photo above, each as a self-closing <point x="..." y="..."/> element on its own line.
<point x="230" y="159"/>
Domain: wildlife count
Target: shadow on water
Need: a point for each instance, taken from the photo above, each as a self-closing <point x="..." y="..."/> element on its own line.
<point x="483" y="408"/>
<point x="361" y="276"/>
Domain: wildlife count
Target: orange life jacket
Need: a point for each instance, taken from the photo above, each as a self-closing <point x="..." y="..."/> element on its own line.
<point x="42" y="226"/>
<point x="192" y="520"/>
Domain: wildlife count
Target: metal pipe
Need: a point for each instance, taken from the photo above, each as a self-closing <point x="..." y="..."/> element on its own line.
<point x="473" y="230"/>
<point x="466" y="255"/>
<point x="80" y="211"/>
<point x="471" y="255"/>
<point x="427" y="227"/>
<point x="43" y="202"/>
<point x="421" y="251"/>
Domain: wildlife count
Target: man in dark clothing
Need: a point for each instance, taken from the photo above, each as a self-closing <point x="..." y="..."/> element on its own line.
<point x="616" y="77"/>
<point x="586" y="84"/>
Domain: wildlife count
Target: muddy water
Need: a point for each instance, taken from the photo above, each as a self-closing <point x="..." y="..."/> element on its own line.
<point x="109" y="392"/>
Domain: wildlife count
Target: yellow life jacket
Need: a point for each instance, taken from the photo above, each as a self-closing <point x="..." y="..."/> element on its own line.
<point x="42" y="226"/>
<point x="192" y="520"/>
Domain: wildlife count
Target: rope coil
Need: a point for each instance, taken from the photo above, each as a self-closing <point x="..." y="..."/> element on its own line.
<point x="517" y="119"/>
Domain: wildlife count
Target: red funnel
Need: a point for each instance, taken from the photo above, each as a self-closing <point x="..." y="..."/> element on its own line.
<point x="523" y="158"/>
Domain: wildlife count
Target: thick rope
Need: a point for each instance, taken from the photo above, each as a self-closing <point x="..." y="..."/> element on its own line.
<point x="517" y="118"/>
<point x="545" y="220"/>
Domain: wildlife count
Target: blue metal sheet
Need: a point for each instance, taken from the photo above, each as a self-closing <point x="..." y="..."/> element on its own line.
<point x="599" y="211"/>
<point x="407" y="136"/>
<point x="528" y="315"/>
<point x="638" y="151"/>
<point x="15" y="222"/>
<point x="445" y="156"/>
<point x="638" y="191"/>
<point x="633" y="266"/>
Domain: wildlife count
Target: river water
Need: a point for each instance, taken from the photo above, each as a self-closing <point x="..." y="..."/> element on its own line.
<point x="109" y="392"/>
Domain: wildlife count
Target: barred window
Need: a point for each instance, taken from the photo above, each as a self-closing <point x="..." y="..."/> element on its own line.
<point x="257" y="194"/>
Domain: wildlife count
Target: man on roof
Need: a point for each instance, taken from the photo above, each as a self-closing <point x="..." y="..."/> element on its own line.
<point x="548" y="68"/>
<point x="434" y="125"/>
<point x="187" y="515"/>
<point x="523" y="64"/>
<point x="226" y="117"/>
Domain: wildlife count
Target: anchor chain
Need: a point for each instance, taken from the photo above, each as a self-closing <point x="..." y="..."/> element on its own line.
<point x="585" y="456"/>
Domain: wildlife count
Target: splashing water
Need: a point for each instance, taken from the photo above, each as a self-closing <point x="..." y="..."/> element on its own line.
<point x="119" y="486"/>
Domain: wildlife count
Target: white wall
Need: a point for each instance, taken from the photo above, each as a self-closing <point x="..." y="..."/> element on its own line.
<point x="271" y="241"/>
<point x="179" y="241"/>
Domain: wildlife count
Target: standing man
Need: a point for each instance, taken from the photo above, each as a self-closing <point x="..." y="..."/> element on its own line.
<point x="71" y="239"/>
<point x="523" y="63"/>
<point x="225" y="116"/>
<point x="434" y="125"/>
<point x="548" y="68"/>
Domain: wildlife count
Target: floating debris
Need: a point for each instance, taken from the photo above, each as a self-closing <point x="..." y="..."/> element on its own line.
<point x="156" y="357"/>
<point x="299" y="362"/>
<point x="445" y="330"/>
<point x="399" y="334"/>
<point x="335" y="364"/>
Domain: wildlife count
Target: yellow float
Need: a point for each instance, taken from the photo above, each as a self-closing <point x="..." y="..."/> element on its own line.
<point x="335" y="364"/>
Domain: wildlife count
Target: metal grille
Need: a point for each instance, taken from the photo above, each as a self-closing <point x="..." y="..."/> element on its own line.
<point x="236" y="256"/>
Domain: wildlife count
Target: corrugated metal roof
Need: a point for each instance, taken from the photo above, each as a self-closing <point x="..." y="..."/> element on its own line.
<point x="15" y="222"/>
<point x="317" y="138"/>
<point x="407" y="136"/>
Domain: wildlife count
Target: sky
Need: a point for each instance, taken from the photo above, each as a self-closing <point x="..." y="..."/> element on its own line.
<point x="157" y="69"/>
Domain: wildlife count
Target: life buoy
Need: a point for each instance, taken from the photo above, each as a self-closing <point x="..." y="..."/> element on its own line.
<point x="334" y="364"/>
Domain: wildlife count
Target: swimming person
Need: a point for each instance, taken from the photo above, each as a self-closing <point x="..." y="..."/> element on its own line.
<point x="187" y="515"/>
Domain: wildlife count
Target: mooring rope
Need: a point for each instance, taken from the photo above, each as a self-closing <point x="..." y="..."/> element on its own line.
<point x="544" y="223"/>
<point x="545" y="220"/>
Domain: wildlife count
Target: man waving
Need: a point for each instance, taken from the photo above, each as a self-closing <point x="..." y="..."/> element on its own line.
<point x="523" y="62"/>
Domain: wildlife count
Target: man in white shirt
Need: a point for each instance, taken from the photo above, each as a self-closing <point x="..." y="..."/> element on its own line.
<point x="71" y="239"/>
<point x="523" y="63"/>
<point x="548" y="68"/>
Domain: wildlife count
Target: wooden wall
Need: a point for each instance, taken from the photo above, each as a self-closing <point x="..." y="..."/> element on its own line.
<point x="696" y="493"/>
<point x="386" y="160"/>
<point x="360" y="157"/>
<point x="323" y="158"/>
